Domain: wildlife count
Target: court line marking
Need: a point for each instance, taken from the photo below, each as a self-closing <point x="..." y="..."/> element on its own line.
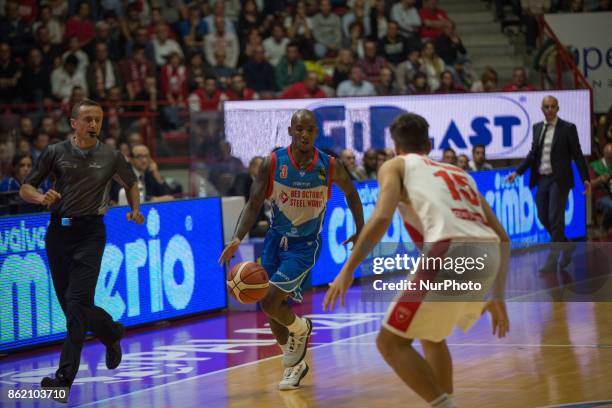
<point x="576" y="404"/>
<point x="603" y="346"/>
<point x="92" y="403"/>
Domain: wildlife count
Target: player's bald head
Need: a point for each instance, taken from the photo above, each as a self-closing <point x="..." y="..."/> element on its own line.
<point x="302" y="115"/>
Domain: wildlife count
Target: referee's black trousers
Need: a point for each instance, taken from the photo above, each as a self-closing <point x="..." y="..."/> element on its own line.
<point x="75" y="254"/>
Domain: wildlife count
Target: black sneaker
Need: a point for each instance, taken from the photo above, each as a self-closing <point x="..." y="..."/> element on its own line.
<point x="59" y="387"/>
<point x="113" y="351"/>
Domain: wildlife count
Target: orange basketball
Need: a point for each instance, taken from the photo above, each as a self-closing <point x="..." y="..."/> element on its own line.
<point x="247" y="282"/>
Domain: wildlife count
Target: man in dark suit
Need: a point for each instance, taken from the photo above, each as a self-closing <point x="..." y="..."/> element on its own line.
<point x="555" y="144"/>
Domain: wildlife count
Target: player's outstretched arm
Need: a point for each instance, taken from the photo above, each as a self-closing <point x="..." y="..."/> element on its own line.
<point x="342" y="179"/>
<point x="497" y="306"/>
<point x="249" y="213"/>
<point x="389" y="195"/>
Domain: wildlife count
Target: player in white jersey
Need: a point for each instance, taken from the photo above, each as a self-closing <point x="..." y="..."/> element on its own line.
<point x="440" y="206"/>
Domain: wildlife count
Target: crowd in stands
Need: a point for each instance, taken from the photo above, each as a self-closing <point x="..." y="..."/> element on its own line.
<point x="181" y="57"/>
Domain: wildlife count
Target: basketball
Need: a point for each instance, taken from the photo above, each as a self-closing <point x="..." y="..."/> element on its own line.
<point x="247" y="282"/>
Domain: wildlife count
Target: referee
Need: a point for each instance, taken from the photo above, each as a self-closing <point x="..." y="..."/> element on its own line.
<point x="83" y="168"/>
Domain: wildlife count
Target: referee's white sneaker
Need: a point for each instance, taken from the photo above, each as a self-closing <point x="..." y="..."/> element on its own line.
<point x="292" y="376"/>
<point x="297" y="345"/>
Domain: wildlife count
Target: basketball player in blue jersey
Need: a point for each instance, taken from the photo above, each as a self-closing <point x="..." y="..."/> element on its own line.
<point x="297" y="180"/>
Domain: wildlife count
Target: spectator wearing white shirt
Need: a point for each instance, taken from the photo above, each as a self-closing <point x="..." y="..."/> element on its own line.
<point x="407" y="17"/>
<point x="221" y="39"/>
<point x="326" y="30"/>
<point x="164" y="46"/>
<point x="357" y="13"/>
<point x="479" y="157"/>
<point x="275" y="46"/>
<point x="356" y="85"/>
<point x="67" y="76"/>
<point x="219" y="11"/>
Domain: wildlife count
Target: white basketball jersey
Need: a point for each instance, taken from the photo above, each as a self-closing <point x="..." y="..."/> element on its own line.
<point x="443" y="202"/>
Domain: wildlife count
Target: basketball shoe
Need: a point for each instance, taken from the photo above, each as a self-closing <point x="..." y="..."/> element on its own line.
<point x="292" y="376"/>
<point x="297" y="344"/>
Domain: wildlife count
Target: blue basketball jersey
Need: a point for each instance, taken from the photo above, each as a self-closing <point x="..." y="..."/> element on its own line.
<point x="299" y="197"/>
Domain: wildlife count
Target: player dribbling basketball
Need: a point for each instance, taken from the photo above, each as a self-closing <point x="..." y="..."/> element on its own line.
<point x="440" y="205"/>
<point x="297" y="180"/>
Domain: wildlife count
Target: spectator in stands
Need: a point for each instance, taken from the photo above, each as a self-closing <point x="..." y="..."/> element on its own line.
<point x="342" y="68"/>
<point x="367" y="171"/>
<point x="9" y="74"/>
<point x="35" y="83"/>
<point x="174" y="89"/>
<point x="419" y="84"/>
<point x="114" y="113"/>
<point x="225" y="167"/>
<point x="405" y="71"/>
<point x="356" y="85"/>
<point x="357" y="14"/>
<point x="601" y="177"/>
<point x="196" y="68"/>
<point x="299" y="30"/>
<point x="157" y="18"/>
<point x="141" y="38"/>
<point x="575" y="6"/>
<point x="393" y="47"/>
<point x="130" y="23"/>
<point x="149" y="94"/>
<point x="219" y="12"/>
<point x="74" y="48"/>
<point x="463" y="162"/>
<point x="449" y="46"/>
<point x="604" y="5"/>
<point x="67" y="76"/>
<point x="50" y="52"/>
<point x="250" y="19"/>
<point x="103" y="35"/>
<point x="153" y="187"/>
<point x="447" y="84"/>
<point x="26" y="128"/>
<point x="48" y="126"/>
<point x="220" y="39"/>
<point x="487" y="83"/>
<point x="355" y="41"/>
<point x="326" y="30"/>
<point x="381" y="158"/>
<point x="6" y="156"/>
<point x="51" y="24"/>
<point x="253" y="41"/>
<point x="81" y="25"/>
<point x="407" y="17"/>
<point x="239" y="91"/>
<point x="275" y="46"/>
<point x="309" y="88"/>
<point x="135" y="70"/>
<point x="432" y="65"/>
<point x="531" y="10"/>
<point x="102" y="74"/>
<point x="519" y="81"/>
<point x="206" y="96"/>
<point x="347" y="156"/>
<point x="21" y="167"/>
<point x="290" y="69"/>
<point x="434" y="19"/>
<point x="259" y="74"/>
<point x="59" y="8"/>
<point x="479" y="158"/>
<point x="378" y="19"/>
<point x="242" y="183"/>
<point x="385" y="85"/>
<point x="193" y="29"/>
<point x="40" y="142"/>
<point x="449" y="156"/>
<point x="164" y="46"/>
<point x="15" y="31"/>
<point x="372" y="64"/>
<point x="221" y="68"/>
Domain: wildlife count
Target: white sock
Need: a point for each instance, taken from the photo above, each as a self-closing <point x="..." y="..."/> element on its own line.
<point x="443" y="401"/>
<point x="298" y="326"/>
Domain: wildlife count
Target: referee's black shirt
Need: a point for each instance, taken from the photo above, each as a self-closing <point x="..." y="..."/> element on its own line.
<point x="83" y="177"/>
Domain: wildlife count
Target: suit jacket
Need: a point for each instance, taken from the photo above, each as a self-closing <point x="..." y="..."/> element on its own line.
<point x="565" y="148"/>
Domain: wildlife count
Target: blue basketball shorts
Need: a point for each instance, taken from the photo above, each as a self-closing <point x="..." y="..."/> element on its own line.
<point x="288" y="261"/>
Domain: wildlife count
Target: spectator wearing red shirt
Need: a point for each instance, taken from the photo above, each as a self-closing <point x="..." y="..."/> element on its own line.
<point x="206" y="97"/>
<point x="80" y="25"/>
<point x="371" y="63"/>
<point x="434" y="20"/>
<point x="239" y="91"/>
<point x="135" y="70"/>
<point x="308" y="88"/>
<point x="519" y="81"/>
<point x="174" y="80"/>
